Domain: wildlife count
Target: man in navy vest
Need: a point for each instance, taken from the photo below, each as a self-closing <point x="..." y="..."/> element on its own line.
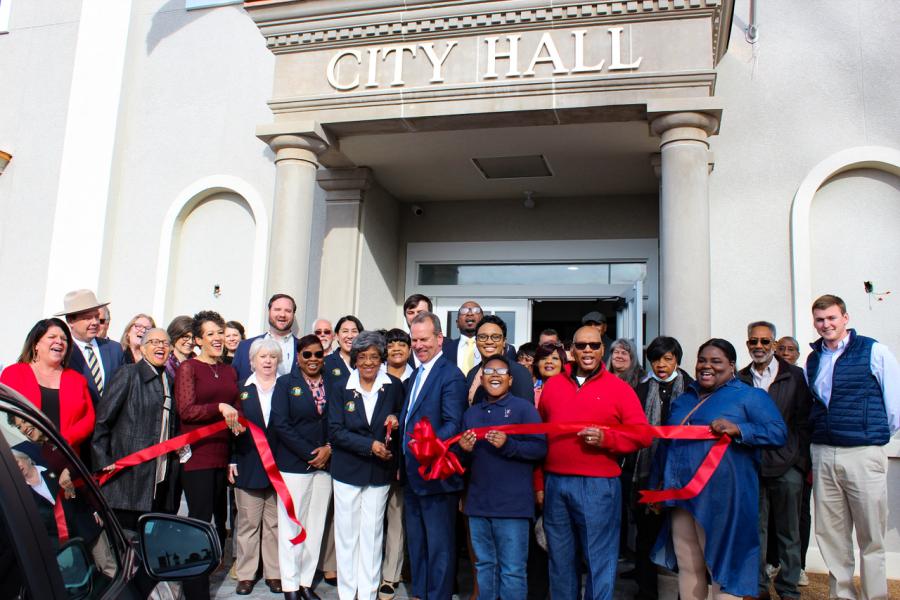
<point x="856" y="385"/>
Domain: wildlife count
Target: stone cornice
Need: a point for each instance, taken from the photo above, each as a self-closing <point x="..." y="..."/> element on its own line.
<point x="293" y="26"/>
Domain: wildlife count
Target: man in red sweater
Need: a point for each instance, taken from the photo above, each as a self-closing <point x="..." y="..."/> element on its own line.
<point x="582" y="497"/>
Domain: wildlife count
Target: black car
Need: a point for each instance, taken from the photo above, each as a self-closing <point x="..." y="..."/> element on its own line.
<point x="59" y="538"/>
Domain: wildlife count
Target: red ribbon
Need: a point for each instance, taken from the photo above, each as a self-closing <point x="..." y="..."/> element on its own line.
<point x="173" y="444"/>
<point x="437" y="462"/>
<point x="59" y="515"/>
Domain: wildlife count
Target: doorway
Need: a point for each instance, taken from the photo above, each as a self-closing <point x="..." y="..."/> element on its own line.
<point x="564" y="315"/>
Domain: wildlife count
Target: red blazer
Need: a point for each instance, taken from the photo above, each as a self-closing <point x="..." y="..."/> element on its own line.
<point x="76" y="411"/>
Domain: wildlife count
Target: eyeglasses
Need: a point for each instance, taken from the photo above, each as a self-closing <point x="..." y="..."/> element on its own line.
<point x="593" y="345"/>
<point x="470" y="310"/>
<point x="307" y="354"/>
<point x="322" y="332"/>
<point x="497" y="371"/>
<point x="494" y="337"/>
<point x="157" y="343"/>
<point x="137" y="326"/>
<point x="761" y="341"/>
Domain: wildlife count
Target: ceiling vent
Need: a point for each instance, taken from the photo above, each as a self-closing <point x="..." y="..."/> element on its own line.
<point x="513" y="167"/>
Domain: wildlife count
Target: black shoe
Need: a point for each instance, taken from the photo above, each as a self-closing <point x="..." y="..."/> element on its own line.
<point x="307" y="594"/>
<point x="291" y="595"/>
<point x="330" y="580"/>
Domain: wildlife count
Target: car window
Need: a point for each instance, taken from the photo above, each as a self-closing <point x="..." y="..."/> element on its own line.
<point x="69" y="510"/>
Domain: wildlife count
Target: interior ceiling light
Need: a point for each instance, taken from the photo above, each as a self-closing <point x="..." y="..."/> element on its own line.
<point x="513" y="167"/>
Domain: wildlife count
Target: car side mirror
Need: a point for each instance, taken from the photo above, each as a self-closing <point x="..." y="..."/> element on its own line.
<point x="76" y="567"/>
<point x="175" y="548"/>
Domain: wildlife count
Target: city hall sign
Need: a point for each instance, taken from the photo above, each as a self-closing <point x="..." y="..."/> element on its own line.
<point x="466" y="60"/>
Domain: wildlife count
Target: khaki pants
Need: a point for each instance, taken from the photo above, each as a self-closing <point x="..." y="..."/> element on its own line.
<point x="256" y="528"/>
<point x="850" y="490"/>
<point x="392" y="565"/>
<point x="689" y="540"/>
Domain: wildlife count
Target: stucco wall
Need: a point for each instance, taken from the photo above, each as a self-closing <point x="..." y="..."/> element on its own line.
<point x="820" y="80"/>
<point x="196" y="87"/>
<point x="36" y="59"/>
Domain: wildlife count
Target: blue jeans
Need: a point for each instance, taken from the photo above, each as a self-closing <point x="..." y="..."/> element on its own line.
<point x="582" y="512"/>
<point x="501" y="556"/>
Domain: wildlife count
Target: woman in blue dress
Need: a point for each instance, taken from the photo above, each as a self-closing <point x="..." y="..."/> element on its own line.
<point x="717" y="530"/>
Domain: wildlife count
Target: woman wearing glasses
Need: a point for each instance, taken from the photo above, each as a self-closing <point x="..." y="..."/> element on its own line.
<point x="299" y="425"/>
<point x="137" y="412"/>
<point x="131" y="337"/>
<point x="363" y="422"/>
<point x="182" y="340"/>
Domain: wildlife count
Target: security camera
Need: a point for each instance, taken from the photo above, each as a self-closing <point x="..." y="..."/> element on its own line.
<point x="417" y="210"/>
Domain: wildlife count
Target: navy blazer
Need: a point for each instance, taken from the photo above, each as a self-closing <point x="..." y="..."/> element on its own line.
<point x="351" y="436"/>
<point x="522" y="383"/>
<point x="111" y="357"/>
<point x="443" y="400"/>
<point x="251" y="474"/>
<point x="241" y="361"/>
<point x="451" y="347"/>
<point x="296" y="424"/>
<point x="335" y="368"/>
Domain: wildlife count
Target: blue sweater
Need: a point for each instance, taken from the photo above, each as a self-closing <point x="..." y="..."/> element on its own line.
<point x="500" y="479"/>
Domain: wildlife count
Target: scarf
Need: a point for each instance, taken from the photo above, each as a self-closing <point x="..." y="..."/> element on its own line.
<point x="653" y="411"/>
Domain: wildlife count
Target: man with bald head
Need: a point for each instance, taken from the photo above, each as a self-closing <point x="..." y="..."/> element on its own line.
<point x="582" y="496"/>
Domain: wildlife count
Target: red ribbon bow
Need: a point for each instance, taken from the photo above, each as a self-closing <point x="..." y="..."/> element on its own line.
<point x="173" y="444"/>
<point x="437" y="462"/>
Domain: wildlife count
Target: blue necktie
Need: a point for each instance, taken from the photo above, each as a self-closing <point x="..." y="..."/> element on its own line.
<point x="415" y="392"/>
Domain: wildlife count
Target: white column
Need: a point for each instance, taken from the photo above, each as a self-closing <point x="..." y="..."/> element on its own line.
<point x="292" y="211"/>
<point x="86" y="167"/>
<point x="684" y="227"/>
<point x="345" y="191"/>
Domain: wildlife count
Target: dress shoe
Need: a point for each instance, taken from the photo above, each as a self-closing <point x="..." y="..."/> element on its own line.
<point x="244" y="587"/>
<point x="387" y="591"/>
<point x="329" y="577"/>
<point x="274" y="585"/>
<point x="308" y="594"/>
<point x="292" y="595"/>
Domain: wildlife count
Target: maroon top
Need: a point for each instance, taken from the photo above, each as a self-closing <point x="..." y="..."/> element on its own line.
<point x="198" y="393"/>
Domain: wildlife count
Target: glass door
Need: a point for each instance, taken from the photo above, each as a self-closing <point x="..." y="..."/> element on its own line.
<point x="630" y="318"/>
<point x="515" y="312"/>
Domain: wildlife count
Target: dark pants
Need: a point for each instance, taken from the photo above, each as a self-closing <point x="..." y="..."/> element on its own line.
<point x="431" y="539"/>
<point x="780" y="496"/>
<point x="128" y="519"/>
<point x="538" y="580"/>
<point x="206" y="495"/>
<point x="648" y="525"/>
<point x="582" y="513"/>
<point x="805" y="520"/>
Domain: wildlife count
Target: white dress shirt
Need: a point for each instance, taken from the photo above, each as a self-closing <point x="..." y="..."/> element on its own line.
<point x="426" y="369"/>
<point x="96" y="348"/>
<point x="265" y="397"/>
<point x="370" y="398"/>
<point x="764" y="380"/>
<point x="461" y="352"/>
<point x="884" y="367"/>
<point x="288" y="346"/>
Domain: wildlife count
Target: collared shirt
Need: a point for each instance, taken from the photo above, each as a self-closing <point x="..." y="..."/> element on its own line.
<point x="265" y="397"/>
<point x="426" y="369"/>
<point x="461" y="352"/>
<point x="288" y="346"/>
<point x="764" y="380"/>
<point x="370" y="398"/>
<point x="407" y="371"/>
<point x="884" y="367"/>
<point x="41" y="487"/>
<point x="96" y="348"/>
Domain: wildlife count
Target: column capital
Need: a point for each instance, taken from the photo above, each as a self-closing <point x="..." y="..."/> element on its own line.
<point x="304" y="140"/>
<point x="662" y="123"/>
<point x="345" y="185"/>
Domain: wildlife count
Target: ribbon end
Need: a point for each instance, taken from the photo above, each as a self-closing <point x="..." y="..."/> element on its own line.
<point x="301" y="537"/>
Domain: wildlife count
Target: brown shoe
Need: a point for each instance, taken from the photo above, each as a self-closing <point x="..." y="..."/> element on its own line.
<point x="274" y="585"/>
<point x="244" y="587"/>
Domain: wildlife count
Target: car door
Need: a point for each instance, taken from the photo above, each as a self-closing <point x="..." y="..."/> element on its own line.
<point x="58" y="537"/>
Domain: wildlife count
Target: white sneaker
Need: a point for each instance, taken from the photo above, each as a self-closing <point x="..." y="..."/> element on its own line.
<point x="804" y="580"/>
<point x="772" y="571"/>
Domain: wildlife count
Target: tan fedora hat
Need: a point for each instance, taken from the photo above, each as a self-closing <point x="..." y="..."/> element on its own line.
<point x="79" y="301"/>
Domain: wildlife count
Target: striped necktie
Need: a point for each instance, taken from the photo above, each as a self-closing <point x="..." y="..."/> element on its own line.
<point x="94" y="366"/>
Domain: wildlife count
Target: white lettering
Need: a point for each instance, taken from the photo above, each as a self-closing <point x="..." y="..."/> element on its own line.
<point x="580" y="67"/>
<point x="373" y="66"/>
<point x="553" y="57"/>
<point x="493" y="55"/>
<point x="398" y="61"/>
<point x="332" y="65"/>
<point x="616" y="63"/>
<point x="436" y="63"/>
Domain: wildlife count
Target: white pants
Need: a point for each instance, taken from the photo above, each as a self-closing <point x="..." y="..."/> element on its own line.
<point x="310" y="493"/>
<point x="850" y="490"/>
<point x="358" y="532"/>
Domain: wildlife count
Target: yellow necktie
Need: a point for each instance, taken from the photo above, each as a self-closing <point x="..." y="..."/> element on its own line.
<point x="469" y="355"/>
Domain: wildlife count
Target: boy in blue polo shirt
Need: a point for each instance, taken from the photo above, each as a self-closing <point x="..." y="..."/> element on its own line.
<point x="500" y="496"/>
